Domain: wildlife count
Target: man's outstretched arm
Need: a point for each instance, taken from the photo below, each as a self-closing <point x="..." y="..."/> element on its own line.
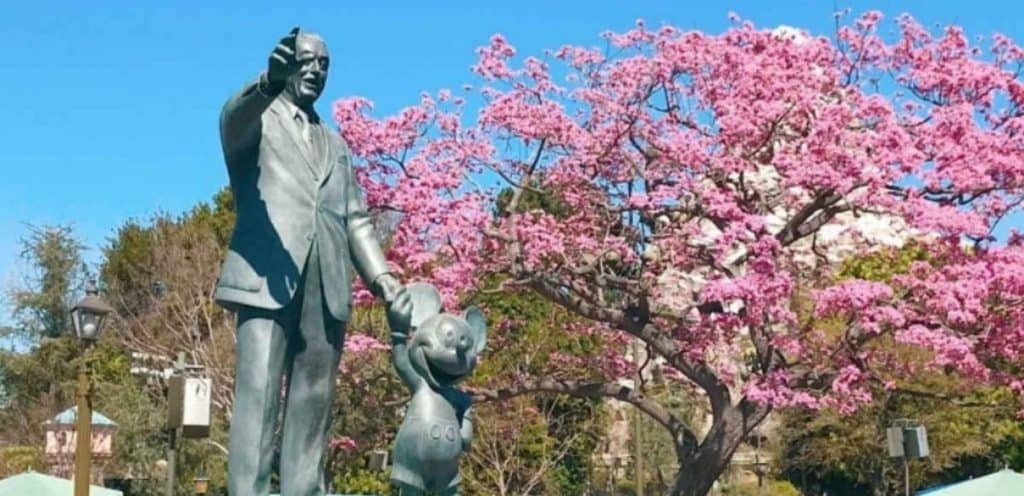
<point x="242" y="114"/>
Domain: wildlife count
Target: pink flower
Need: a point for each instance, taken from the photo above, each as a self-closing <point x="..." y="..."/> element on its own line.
<point x="361" y="343"/>
<point x="694" y="171"/>
<point x="344" y="444"/>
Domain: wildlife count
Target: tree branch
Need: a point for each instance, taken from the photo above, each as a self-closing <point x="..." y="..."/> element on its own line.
<point x="680" y="431"/>
<point x="640" y="327"/>
<point x="800" y="226"/>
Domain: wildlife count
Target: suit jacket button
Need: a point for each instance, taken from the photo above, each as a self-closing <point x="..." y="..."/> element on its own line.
<point x="309" y="237"/>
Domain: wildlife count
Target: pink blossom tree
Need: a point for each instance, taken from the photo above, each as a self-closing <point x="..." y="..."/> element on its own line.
<point x="706" y="181"/>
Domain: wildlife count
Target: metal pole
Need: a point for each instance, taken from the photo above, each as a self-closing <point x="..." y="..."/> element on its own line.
<point x="759" y="467"/>
<point x="906" y="476"/>
<point x="172" y="448"/>
<point x="171" y="456"/>
<point x="637" y="451"/>
<point x="83" y="442"/>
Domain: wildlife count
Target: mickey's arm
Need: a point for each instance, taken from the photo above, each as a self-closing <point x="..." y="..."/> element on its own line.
<point x="466" y="429"/>
<point x="400" y="359"/>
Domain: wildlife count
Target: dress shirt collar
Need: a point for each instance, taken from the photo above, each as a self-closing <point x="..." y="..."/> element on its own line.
<point x="297" y="113"/>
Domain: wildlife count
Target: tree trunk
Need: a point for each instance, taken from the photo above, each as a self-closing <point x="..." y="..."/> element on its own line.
<point x="699" y="468"/>
<point x="696" y="479"/>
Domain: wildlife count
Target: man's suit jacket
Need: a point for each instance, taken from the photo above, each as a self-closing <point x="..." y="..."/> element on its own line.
<point x="286" y="195"/>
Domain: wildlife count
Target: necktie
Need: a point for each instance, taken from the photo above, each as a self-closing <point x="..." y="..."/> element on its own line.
<point x="304" y="128"/>
<point x="310" y="135"/>
<point x="310" y="142"/>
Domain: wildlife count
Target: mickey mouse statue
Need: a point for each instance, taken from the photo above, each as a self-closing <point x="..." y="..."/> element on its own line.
<point x="437" y="429"/>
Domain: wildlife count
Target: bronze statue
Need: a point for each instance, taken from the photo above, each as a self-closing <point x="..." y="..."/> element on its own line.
<point x="438" y="426"/>
<point x="301" y="226"/>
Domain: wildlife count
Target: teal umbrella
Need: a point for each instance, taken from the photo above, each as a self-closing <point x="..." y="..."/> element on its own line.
<point x="1005" y="482"/>
<point x="38" y="484"/>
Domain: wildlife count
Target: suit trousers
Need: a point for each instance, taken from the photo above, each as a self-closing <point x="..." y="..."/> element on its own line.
<point x="301" y="344"/>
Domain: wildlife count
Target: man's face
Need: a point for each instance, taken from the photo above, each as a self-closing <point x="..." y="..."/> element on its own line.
<point x="306" y="84"/>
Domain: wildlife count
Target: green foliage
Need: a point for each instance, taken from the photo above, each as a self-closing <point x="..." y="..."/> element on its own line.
<point x="128" y="259"/>
<point x="362" y="481"/>
<point x="159" y="275"/>
<point x="42" y="383"/>
<point x="580" y="421"/>
<point x="882" y="265"/>
<point x="546" y="445"/>
<point x="46" y="370"/>
<point x="140" y="441"/>
<point x="39" y="383"/>
<point x="18" y="459"/>
<point x="56" y="272"/>
<point x="532" y="339"/>
<point x="534" y="198"/>
<point x="823" y="451"/>
<point x="770" y="488"/>
<point x="136" y="260"/>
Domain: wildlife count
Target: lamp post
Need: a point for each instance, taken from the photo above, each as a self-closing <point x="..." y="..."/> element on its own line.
<point x="88" y="317"/>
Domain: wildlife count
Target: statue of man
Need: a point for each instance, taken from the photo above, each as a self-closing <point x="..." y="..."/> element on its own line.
<point x="301" y="226"/>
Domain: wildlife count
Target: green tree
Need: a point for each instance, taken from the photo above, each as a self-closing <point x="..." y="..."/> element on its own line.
<point x="160" y="275"/>
<point x="55" y="275"/>
<point x="37" y="384"/>
<point x="42" y="383"/>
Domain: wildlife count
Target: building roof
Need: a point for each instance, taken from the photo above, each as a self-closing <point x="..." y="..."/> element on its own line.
<point x="38" y="484"/>
<point x="1005" y="482"/>
<point x="70" y="417"/>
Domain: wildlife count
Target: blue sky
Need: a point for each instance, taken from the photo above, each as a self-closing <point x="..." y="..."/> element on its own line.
<point x="110" y="108"/>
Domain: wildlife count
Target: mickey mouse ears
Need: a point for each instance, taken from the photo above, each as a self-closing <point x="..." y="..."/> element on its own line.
<point x="478" y="323"/>
<point x="426" y="302"/>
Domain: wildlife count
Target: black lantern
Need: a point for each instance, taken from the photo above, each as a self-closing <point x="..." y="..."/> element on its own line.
<point x="89" y="314"/>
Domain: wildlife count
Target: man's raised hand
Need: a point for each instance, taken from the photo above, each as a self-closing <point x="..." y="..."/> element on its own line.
<point x="282" y="60"/>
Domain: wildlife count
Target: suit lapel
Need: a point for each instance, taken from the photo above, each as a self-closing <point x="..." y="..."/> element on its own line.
<point x="291" y="129"/>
